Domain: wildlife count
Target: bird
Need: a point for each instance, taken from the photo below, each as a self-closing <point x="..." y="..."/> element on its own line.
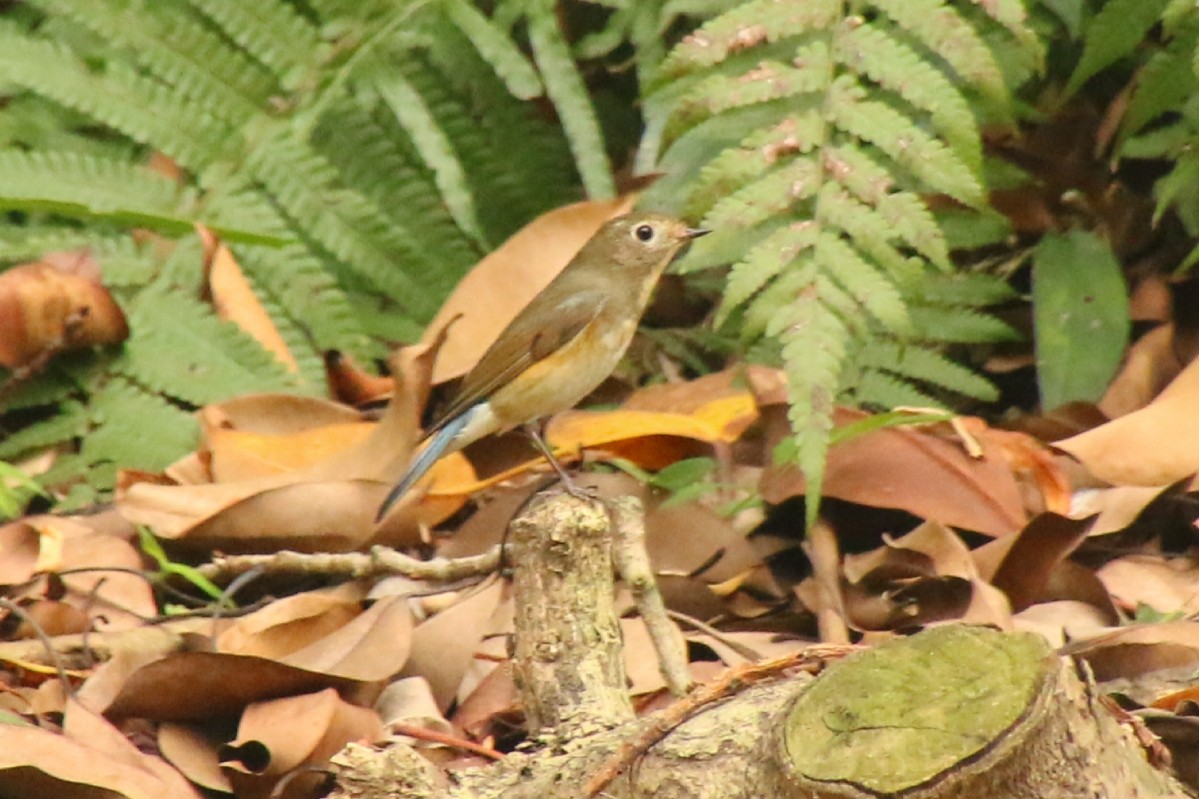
<point x="561" y="346"/>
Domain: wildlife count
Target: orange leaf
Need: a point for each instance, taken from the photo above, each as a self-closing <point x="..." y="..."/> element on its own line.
<point x="44" y="310"/>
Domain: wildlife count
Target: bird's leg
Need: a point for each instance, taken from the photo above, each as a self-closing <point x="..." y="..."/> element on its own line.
<point x="533" y="431"/>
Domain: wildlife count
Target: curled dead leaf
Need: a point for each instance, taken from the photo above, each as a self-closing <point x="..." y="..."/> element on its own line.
<point x="44" y="310"/>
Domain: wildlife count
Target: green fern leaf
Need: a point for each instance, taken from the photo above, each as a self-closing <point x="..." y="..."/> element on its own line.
<point x="889" y="130"/>
<point x="179" y="348"/>
<point x="814" y="342"/>
<point x="91" y="187"/>
<point x="271" y="31"/>
<point x="566" y="91"/>
<point x="746" y="26"/>
<point x="878" y="389"/>
<point x="434" y="147"/>
<point x="68" y="422"/>
<point x="911" y="362"/>
<point x="734" y="168"/>
<point x="177" y="47"/>
<point x="965" y="289"/>
<point x="1166" y="82"/>
<point x="136" y="429"/>
<point x="120" y="99"/>
<point x="1113" y="34"/>
<point x="496" y="48"/>
<point x="895" y="66"/>
<point x="877" y="295"/>
<point x="959" y="325"/>
<point x="763" y="263"/>
<point x="941" y="29"/>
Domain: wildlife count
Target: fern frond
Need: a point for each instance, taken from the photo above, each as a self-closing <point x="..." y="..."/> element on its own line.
<point x="179" y="49"/>
<point x="1115" y="32"/>
<point x="892" y="64"/>
<point x="129" y="104"/>
<point x="870" y="289"/>
<point x="496" y="49"/>
<point x="917" y="363"/>
<point x="433" y="146"/>
<point x="1167" y="80"/>
<point x="86" y="186"/>
<point x="814" y="344"/>
<point x="878" y="389"/>
<point x="307" y="293"/>
<point x="343" y="221"/>
<point x="210" y="359"/>
<point x="137" y="429"/>
<point x="271" y="31"/>
<point x="566" y="91"/>
<point x="954" y="325"/>
<point x="764" y="262"/>
<point x="944" y="31"/>
<point x="68" y="422"/>
<point x="781" y="111"/>
<point x="745" y="26"/>
<point x="925" y="156"/>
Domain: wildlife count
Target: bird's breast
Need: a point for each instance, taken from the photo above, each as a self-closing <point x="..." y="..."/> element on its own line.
<point x="560" y="380"/>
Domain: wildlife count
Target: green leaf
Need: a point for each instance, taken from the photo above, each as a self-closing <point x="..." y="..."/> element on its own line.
<point x="1080" y="316"/>
<point x="138" y="430"/>
<point x="566" y="91"/>
<point x="178" y="347"/>
<point x="1114" y="33"/>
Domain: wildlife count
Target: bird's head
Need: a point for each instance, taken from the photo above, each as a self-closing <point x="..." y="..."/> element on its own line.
<point x="643" y="242"/>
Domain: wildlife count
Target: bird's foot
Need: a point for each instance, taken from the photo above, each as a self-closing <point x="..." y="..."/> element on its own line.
<point x="577" y="491"/>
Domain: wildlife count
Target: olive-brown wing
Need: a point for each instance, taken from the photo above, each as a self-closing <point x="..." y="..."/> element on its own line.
<point x="534" y="335"/>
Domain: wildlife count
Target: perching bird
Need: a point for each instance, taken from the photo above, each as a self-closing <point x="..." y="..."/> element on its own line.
<point x="562" y="345"/>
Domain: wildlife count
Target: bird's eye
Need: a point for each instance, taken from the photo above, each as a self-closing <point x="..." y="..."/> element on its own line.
<point x="644" y="232"/>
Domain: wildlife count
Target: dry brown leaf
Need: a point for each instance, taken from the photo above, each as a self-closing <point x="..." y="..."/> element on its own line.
<point x="20" y="544"/>
<point x="44" y="310"/>
<point x="292" y="623"/>
<point x="504" y="282"/>
<point x="920" y="578"/>
<point x="218" y="685"/>
<point x="1021" y="565"/>
<point x="1130" y="652"/>
<point x="443" y="646"/>
<point x="193" y="749"/>
<point x="235" y="301"/>
<point x="491" y="706"/>
<point x="917" y="470"/>
<point x="327" y="505"/>
<point x="1154" y="446"/>
<point x="1062" y="621"/>
<point x="98" y="734"/>
<point x="37" y="762"/>
<point x="278" y="736"/>
<point x="410" y="702"/>
<point x="1149" y="366"/>
<point x="353" y="385"/>
<point x="1166" y="585"/>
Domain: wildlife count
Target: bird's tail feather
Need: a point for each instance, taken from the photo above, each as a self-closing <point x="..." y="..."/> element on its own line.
<point x="432" y="452"/>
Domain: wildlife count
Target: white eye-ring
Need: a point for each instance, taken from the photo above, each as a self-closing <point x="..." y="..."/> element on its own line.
<point x="644" y="233"/>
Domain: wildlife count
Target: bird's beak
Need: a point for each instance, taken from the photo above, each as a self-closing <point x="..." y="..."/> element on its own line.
<point x="695" y="232"/>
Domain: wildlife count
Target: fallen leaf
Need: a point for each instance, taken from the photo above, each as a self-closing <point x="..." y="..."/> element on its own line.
<point x="44" y="310"/>
<point x="1154" y="446"/>
<point x="913" y="469"/>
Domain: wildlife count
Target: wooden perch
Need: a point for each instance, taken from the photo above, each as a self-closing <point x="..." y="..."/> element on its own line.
<point x="953" y="712"/>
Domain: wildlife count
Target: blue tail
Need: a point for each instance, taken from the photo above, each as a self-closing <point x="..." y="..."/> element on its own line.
<point x="432" y="452"/>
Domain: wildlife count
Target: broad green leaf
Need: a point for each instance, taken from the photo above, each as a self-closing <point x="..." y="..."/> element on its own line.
<point x="1080" y="315"/>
